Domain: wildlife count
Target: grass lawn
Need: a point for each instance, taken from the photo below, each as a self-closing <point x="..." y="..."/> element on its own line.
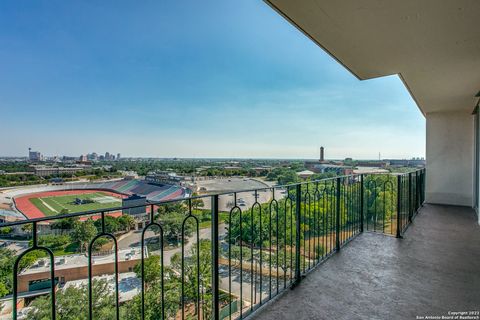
<point x="71" y="248"/>
<point x="54" y="205"/>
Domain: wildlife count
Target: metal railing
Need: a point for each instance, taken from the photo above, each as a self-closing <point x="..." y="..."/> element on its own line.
<point x="391" y="201"/>
<point x="211" y="257"/>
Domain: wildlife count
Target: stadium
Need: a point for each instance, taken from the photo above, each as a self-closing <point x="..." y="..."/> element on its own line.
<point x="40" y="201"/>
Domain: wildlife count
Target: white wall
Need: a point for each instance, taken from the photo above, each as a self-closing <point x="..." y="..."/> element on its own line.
<point x="450" y="147"/>
<point x="476" y="179"/>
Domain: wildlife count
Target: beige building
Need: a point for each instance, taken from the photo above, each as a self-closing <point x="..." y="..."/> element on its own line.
<point x="43" y="171"/>
<point x="75" y="267"/>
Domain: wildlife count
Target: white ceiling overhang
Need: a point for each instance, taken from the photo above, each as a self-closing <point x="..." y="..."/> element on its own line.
<point x="433" y="45"/>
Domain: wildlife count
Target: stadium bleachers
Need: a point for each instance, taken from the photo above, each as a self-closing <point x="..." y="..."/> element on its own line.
<point x="153" y="192"/>
<point x="146" y="188"/>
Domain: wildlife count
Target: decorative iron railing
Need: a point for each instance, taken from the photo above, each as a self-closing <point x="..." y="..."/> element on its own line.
<point x="216" y="256"/>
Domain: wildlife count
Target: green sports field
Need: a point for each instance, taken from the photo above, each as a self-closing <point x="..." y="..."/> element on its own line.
<point x="58" y="204"/>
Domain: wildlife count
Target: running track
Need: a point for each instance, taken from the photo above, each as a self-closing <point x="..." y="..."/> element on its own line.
<point x="25" y="206"/>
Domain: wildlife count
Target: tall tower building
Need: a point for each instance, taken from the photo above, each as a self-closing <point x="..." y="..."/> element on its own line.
<point x="322" y="154"/>
<point x="34" y="155"/>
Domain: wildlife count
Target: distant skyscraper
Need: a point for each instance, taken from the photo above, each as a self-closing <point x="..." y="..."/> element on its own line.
<point x="92" y="156"/>
<point x="322" y="154"/>
<point x="118" y="156"/>
<point x="34" y="155"/>
<point x="107" y="155"/>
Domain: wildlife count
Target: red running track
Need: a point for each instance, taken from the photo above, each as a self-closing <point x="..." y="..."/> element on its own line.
<point x="25" y="206"/>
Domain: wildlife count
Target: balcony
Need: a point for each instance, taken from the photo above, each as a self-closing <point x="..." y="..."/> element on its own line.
<point x="431" y="271"/>
<point x="227" y="255"/>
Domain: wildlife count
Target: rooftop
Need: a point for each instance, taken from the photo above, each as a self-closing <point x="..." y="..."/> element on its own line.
<point x="81" y="260"/>
<point x="128" y="284"/>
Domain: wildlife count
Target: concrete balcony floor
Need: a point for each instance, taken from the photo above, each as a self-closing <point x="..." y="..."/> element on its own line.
<point x="434" y="269"/>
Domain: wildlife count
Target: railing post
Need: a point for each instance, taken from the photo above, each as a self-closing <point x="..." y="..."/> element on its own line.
<point x="422" y="195"/>
<point x="399" y="204"/>
<point x="337" y="218"/>
<point x="215" y="256"/>
<point x="410" y="212"/>
<point x="415" y="195"/>
<point x="418" y="190"/>
<point x="361" y="203"/>
<point x="298" y="195"/>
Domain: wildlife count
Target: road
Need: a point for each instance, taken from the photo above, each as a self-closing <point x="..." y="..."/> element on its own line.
<point x="133" y="240"/>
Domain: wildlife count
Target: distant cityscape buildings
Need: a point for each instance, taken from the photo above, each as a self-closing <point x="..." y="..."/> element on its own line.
<point x="44" y="171"/>
<point x="109" y="157"/>
<point x="36" y="156"/>
<point x="350" y="165"/>
<point x="92" y="156"/>
<point x="318" y="166"/>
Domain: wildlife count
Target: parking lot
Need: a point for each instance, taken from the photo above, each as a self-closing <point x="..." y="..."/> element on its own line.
<point x="244" y="200"/>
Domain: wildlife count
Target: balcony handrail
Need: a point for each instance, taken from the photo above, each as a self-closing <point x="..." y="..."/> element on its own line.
<point x="321" y="222"/>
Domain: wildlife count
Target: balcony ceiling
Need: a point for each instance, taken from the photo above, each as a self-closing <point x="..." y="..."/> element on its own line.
<point x="434" y="46"/>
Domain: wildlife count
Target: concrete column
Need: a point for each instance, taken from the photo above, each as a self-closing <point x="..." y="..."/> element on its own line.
<point x="450" y="166"/>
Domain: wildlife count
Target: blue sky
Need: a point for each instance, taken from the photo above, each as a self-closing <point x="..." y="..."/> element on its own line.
<point x="190" y="78"/>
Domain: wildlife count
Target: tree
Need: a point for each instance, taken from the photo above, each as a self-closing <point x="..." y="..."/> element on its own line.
<point x="29" y="259"/>
<point x="6" y="230"/>
<point x="53" y="241"/>
<point x="288" y="178"/>
<point x="172" y="226"/>
<point x="380" y="200"/>
<point x="153" y="300"/>
<point x="64" y="224"/>
<point x="27" y="228"/>
<point x="284" y="175"/>
<point x="198" y="202"/>
<point x="151" y="270"/>
<point x="319" y="250"/>
<point x="6" y="271"/>
<point x="112" y="224"/>
<point x="192" y="270"/>
<point x="7" y="260"/>
<point x="84" y="232"/>
<point x="72" y="303"/>
<point x="3" y="290"/>
<point x="283" y="259"/>
<point x="127" y="222"/>
<point x="258" y="226"/>
<point x="153" y="292"/>
<point x="171" y="207"/>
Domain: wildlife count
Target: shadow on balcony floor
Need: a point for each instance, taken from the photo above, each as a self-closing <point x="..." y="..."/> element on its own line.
<point x="433" y="270"/>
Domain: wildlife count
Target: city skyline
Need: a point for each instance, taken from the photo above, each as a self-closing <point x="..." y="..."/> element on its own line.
<point x="116" y="156"/>
<point x="254" y="87"/>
